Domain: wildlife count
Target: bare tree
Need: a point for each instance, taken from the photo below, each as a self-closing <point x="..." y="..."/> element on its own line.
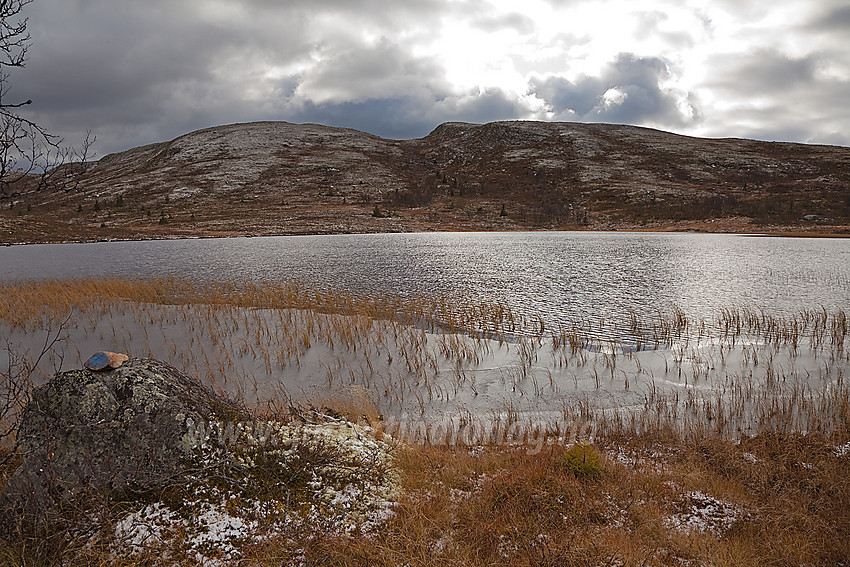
<point x="29" y="154"/>
<point x="16" y="384"/>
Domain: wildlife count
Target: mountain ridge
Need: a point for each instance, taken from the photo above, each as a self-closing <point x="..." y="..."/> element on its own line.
<point x="282" y="178"/>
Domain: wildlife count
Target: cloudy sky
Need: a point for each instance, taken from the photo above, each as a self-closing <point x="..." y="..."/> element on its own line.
<point x="136" y="72"/>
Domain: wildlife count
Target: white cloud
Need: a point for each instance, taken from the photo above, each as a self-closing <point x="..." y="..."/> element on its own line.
<point x="615" y="96"/>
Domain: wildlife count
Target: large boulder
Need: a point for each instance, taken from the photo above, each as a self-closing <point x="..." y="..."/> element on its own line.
<point x="104" y="435"/>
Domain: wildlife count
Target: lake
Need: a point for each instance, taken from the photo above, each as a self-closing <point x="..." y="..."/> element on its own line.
<point x="565" y="276"/>
<point x="587" y="280"/>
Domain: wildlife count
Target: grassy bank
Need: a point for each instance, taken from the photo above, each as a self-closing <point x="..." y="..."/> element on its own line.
<point x="636" y="500"/>
<point x="733" y="448"/>
<point x="643" y="499"/>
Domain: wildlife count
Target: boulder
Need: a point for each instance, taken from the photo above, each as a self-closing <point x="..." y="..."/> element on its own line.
<point x="102" y="435"/>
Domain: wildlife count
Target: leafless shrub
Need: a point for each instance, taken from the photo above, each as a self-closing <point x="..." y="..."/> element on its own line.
<point x="16" y="383"/>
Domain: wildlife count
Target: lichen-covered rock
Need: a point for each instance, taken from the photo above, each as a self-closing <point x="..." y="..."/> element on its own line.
<point x="263" y="480"/>
<point x="91" y="435"/>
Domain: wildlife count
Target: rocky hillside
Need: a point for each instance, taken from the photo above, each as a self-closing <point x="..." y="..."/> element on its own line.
<point x="280" y="178"/>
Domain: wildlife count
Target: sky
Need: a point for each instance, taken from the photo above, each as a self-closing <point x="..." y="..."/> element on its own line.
<point x="137" y="72"/>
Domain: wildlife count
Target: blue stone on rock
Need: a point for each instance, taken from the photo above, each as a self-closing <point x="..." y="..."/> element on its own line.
<point x="106" y="360"/>
<point x="98" y="361"/>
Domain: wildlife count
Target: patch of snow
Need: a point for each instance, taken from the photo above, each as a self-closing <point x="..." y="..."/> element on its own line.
<point x="219" y="531"/>
<point x="615" y="514"/>
<point x="212" y="535"/>
<point x="147" y="527"/>
<point x="507" y="548"/>
<point x="355" y="495"/>
<point x="653" y="460"/>
<point x="440" y="545"/>
<point x="705" y="513"/>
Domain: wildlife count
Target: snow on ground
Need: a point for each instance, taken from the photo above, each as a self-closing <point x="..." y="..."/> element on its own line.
<point x="211" y="536"/>
<point x="654" y="458"/>
<point x="342" y="483"/>
<point x="704" y="513"/>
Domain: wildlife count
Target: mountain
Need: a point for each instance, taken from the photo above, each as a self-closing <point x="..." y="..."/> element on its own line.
<point x="281" y="178"/>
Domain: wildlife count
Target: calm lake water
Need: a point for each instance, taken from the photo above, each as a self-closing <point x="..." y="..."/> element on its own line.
<point x="565" y="276"/>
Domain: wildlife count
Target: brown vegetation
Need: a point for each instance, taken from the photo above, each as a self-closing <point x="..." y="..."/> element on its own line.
<point x="748" y="474"/>
<point x="278" y="178"/>
<point x="656" y="500"/>
<point x="653" y="499"/>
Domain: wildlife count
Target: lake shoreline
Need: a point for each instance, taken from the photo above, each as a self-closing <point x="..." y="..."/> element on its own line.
<point x="428" y="363"/>
<point x="785" y="232"/>
<point x="692" y="446"/>
<point x="565" y="276"/>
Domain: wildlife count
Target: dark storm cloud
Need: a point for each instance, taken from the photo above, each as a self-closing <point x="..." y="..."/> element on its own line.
<point x="762" y="72"/>
<point x="153" y="72"/>
<point x="762" y="124"/>
<point x="635" y="94"/>
<point x="834" y="18"/>
<point x="145" y="78"/>
<point x="149" y="69"/>
<point x="377" y="71"/>
<point x="391" y="118"/>
<point x="159" y="69"/>
<point x="403" y="117"/>
<point x="562" y="95"/>
<point x="484" y="106"/>
<point x="784" y="98"/>
<point x="376" y="11"/>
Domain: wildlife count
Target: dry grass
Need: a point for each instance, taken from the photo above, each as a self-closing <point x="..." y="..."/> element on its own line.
<point x="782" y="501"/>
<point x="751" y="472"/>
<point x="492" y="505"/>
<point x="229" y="335"/>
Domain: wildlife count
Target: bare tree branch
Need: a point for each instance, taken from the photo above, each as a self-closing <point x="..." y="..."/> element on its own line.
<point x="16" y="383"/>
<point x="31" y="158"/>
